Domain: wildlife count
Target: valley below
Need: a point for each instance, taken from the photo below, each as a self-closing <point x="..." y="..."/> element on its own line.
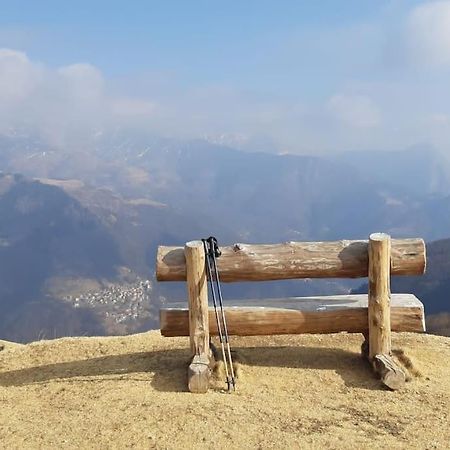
<point x="79" y="229"/>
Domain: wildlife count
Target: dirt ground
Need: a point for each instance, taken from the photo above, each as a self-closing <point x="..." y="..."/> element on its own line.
<point x="293" y="392"/>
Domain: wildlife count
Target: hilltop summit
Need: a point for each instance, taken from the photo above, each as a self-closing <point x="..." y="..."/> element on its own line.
<point x="293" y="391"/>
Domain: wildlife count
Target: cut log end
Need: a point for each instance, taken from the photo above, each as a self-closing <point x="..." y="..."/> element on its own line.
<point x="390" y="373"/>
<point x="379" y="237"/>
<point x="199" y="374"/>
<point x="194" y="244"/>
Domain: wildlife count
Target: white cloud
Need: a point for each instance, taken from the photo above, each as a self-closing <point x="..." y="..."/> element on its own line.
<point x="18" y="76"/>
<point x="83" y="81"/>
<point x="67" y="105"/>
<point x="428" y="34"/>
<point x="61" y="103"/>
<point x="354" y="110"/>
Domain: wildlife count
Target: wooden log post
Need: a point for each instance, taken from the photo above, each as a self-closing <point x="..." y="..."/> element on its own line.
<point x="379" y="294"/>
<point x="199" y="370"/>
<point x="390" y="373"/>
<point x="379" y="314"/>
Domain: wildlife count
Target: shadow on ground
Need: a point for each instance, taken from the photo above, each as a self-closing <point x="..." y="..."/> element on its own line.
<point x="168" y="367"/>
<point x="354" y="370"/>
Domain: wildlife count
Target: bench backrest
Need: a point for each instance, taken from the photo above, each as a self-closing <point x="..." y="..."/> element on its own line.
<point x="339" y="259"/>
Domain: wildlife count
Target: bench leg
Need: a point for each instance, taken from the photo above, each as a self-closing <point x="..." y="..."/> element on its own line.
<point x="199" y="374"/>
<point x="379" y="312"/>
<point x="390" y="373"/>
<point x="199" y="371"/>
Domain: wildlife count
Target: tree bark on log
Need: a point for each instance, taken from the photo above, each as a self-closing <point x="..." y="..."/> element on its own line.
<point x="300" y="315"/>
<point x="379" y="294"/>
<point x="390" y="373"/>
<point x="340" y="259"/>
<point x="199" y="371"/>
<point x="199" y="374"/>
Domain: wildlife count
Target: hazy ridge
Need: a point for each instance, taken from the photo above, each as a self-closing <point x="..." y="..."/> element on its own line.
<point x="82" y="226"/>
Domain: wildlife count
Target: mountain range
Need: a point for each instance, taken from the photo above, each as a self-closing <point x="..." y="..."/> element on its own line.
<point x="77" y="224"/>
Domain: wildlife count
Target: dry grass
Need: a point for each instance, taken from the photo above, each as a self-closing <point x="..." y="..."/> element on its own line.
<point x="293" y="391"/>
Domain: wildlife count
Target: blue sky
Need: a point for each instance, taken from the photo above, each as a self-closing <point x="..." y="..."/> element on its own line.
<point x="199" y="41"/>
<point x="285" y="76"/>
<point x="166" y="34"/>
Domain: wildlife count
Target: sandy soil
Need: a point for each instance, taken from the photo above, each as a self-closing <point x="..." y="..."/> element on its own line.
<point x="293" y="392"/>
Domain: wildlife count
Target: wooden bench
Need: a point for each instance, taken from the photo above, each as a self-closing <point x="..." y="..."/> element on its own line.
<point x="374" y="314"/>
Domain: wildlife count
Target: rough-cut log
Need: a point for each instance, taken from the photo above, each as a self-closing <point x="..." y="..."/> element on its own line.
<point x="379" y="295"/>
<point x="197" y="297"/>
<point x="390" y="373"/>
<point x="198" y="373"/>
<point x="341" y="259"/>
<point x="299" y="315"/>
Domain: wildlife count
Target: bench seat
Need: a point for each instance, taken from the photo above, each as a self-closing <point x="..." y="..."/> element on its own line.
<point x="298" y="315"/>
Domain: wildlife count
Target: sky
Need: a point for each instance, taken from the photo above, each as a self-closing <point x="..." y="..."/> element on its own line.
<point x="283" y="76"/>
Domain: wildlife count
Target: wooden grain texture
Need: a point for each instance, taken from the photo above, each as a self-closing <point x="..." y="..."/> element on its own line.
<point x="197" y="285"/>
<point x="379" y="295"/>
<point x="340" y="259"/>
<point x="199" y="374"/>
<point x="391" y="374"/>
<point x="330" y="314"/>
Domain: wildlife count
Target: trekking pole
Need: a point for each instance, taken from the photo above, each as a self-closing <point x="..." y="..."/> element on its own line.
<point x="215" y="252"/>
<point x="219" y="325"/>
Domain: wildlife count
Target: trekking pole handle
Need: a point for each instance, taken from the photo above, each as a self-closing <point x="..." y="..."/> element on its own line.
<point x="214" y="246"/>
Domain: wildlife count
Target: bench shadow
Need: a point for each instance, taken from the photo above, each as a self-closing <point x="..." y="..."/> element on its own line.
<point x="168" y="368"/>
<point x="354" y="370"/>
<point x="352" y="251"/>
